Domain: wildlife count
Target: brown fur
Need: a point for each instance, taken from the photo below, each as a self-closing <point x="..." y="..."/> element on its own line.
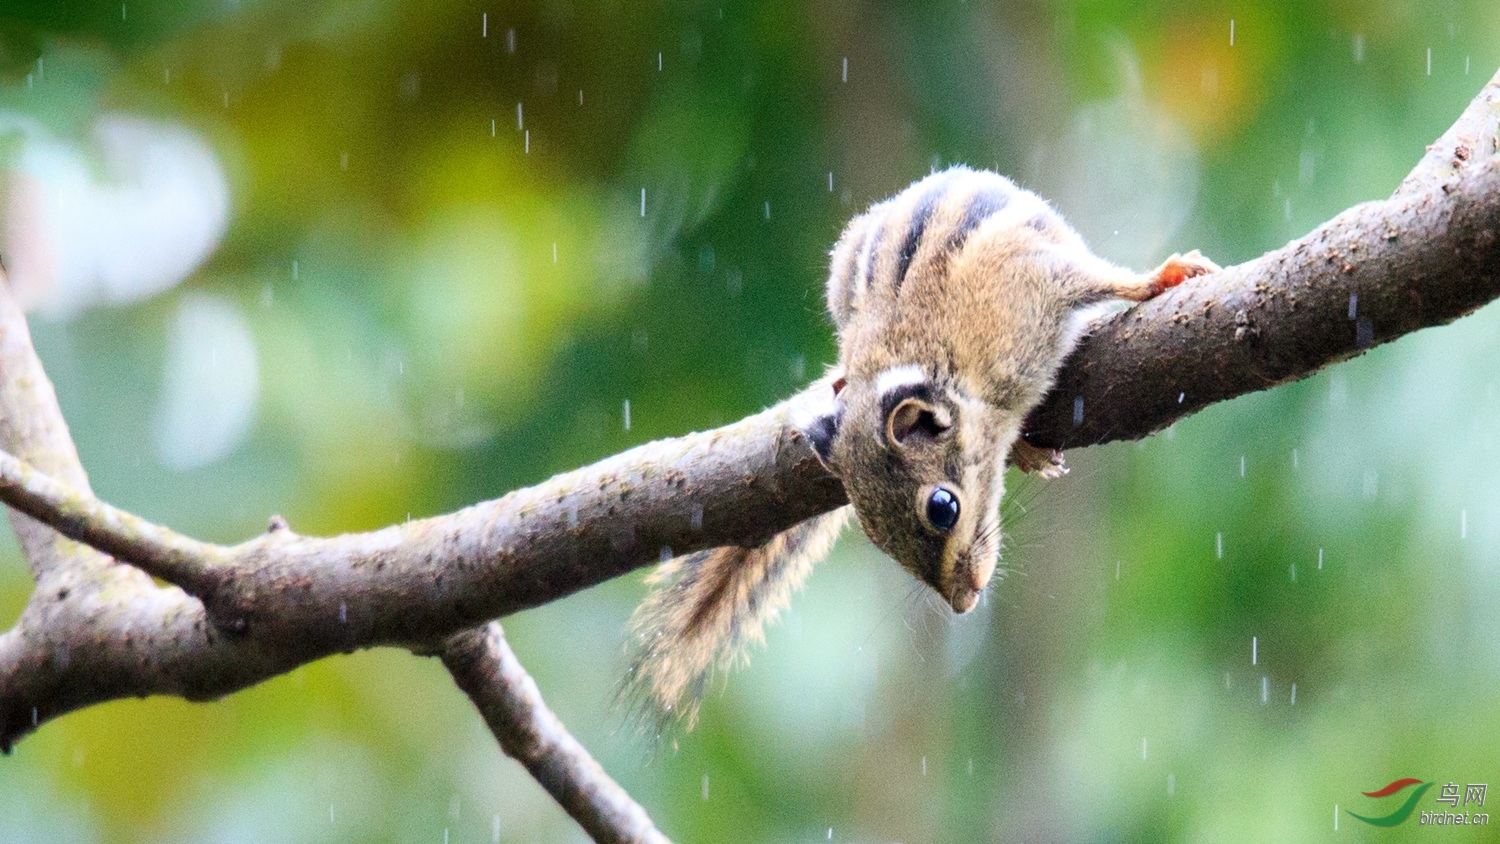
<point x="955" y="303"/>
<point x="705" y="609"/>
<point x="974" y="320"/>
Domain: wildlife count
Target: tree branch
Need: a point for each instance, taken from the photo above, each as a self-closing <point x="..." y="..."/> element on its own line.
<point x="484" y="666"/>
<point x="1373" y="273"/>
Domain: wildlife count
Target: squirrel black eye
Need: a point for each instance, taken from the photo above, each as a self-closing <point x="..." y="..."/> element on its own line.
<point x="942" y="509"/>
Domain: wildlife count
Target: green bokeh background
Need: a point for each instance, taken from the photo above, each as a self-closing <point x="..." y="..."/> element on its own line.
<point x="428" y="351"/>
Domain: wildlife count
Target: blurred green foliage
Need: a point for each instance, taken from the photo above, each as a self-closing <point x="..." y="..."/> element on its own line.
<point x="465" y="236"/>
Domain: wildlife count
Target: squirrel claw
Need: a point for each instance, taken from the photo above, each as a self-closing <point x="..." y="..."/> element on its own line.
<point x="1179" y="268"/>
<point x="1035" y="460"/>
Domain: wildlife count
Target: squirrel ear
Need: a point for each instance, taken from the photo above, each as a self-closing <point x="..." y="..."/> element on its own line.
<point x="908" y="405"/>
<point x="912" y="416"/>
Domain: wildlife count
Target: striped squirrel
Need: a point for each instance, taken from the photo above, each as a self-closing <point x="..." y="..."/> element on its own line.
<point x="956" y="302"/>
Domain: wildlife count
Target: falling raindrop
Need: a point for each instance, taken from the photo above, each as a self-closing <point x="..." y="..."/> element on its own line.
<point x="1359" y="49"/>
<point x="1219" y="545"/>
<point x="495" y="829"/>
<point x="1265" y="690"/>
<point x="924" y="766"/>
<point x="627" y="414"/>
<point x="705" y="786"/>
<point x="845" y="76"/>
<point x="1429" y="61"/>
<point x="643" y="202"/>
<point x="484" y="25"/>
<point x="1143" y="747"/>
<point x="830" y="181"/>
<point x="1231" y="32"/>
<point x="519" y="123"/>
<point x="1254" y="650"/>
<point x="1320" y="559"/>
<point x="510" y="40"/>
<point x="1077" y="411"/>
<point x="1242" y="465"/>
<point x="1294" y="694"/>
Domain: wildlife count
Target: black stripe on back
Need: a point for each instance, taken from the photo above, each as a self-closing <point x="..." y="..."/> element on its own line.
<point x="919" y="218"/>
<point x="843" y="290"/>
<point x="986" y="203"/>
<point x="845" y="271"/>
<point x="868" y="253"/>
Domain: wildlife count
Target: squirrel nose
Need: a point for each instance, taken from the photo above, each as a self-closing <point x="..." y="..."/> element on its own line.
<point x="965" y="600"/>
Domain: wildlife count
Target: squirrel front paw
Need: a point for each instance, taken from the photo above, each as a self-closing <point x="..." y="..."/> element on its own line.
<point x="1035" y="460"/>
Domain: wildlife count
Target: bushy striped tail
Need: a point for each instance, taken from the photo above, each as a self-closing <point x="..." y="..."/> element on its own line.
<point x="706" y="608"/>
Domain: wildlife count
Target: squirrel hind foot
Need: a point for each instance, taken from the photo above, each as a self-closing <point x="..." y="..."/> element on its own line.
<point x="1179" y="268"/>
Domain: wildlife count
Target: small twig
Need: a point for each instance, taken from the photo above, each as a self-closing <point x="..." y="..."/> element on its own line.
<point x="484" y="666"/>
<point x="158" y="551"/>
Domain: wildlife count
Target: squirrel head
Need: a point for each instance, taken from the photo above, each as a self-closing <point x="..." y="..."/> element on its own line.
<point x="923" y="465"/>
